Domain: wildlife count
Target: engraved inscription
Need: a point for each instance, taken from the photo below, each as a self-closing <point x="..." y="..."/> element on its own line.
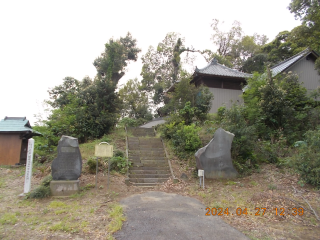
<point x="68" y="149"/>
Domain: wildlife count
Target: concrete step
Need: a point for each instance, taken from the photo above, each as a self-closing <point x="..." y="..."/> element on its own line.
<point x="150" y="171"/>
<point x="145" y="141"/>
<point x="149" y="175"/>
<point x="154" y="168"/>
<point x="151" y="154"/>
<point x="148" y="180"/>
<point x="147" y="158"/>
<point x="145" y="149"/>
<point x="150" y="164"/>
<point x="146" y="185"/>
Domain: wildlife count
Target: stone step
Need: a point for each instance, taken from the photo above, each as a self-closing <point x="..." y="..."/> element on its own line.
<point x="145" y="141"/>
<point x="161" y="162"/>
<point x="148" y="180"/>
<point x="145" y="149"/>
<point x="149" y="175"/>
<point x="142" y="134"/>
<point x="150" y="164"/>
<point x="147" y="158"/>
<point x="144" y="168"/>
<point x="147" y="155"/>
<point x="146" y="185"/>
<point x="150" y="171"/>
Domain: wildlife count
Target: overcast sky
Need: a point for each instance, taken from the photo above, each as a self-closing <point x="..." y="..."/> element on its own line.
<point x="42" y="42"/>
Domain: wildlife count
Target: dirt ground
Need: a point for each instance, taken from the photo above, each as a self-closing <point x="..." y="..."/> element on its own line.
<point x="239" y="202"/>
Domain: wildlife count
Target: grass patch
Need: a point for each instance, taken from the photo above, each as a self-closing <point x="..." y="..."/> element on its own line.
<point x="63" y="226"/>
<point x="202" y="194"/>
<point x="272" y="186"/>
<point x="253" y="183"/>
<point x="231" y="183"/>
<point x="57" y="204"/>
<point x="8" y="218"/>
<point x="2" y="183"/>
<point x="116" y="214"/>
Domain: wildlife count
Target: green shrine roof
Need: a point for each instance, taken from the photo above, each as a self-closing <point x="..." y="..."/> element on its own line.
<point x="16" y="124"/>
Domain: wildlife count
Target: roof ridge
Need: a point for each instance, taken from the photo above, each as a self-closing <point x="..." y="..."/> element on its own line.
<point x="214" y="61"/>
<point x="302" y="53"/>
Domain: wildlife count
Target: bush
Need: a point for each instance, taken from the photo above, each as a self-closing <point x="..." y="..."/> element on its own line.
<point x="308" y="159"/>
<point x="119" y="164"/>
<point x="92" y="165"/>
<point x="46" y="181"/>
<point x="40" y="192"/>
<point x="43" y="190"/>
<point x="243" y="144"/>
<point x="118" y="153"/>
<point x="186" y="138"/>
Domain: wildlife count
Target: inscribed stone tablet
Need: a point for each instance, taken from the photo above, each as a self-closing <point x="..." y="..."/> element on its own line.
<point x="104" y="150"/>
<point x="68" y="164"/>
<point x="215" y="158"/>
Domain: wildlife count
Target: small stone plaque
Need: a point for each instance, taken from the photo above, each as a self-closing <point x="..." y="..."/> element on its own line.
<point x="103" y="150"/>
<point x="68" y="164"/>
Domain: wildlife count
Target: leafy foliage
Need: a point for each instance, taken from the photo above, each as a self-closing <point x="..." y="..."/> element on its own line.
<point x="243" y="144"/>
<point x="112" y="62"/>
<point x="308" y="159"/>
<point x="184" y="139"/>
<point x="135" y="101"/>
<point x="270" y="100"/>
<point x="43" y="190"/>
<point x="119" y="164"/>
<point x="309" y="12"/>
<point x="89" y="109"/>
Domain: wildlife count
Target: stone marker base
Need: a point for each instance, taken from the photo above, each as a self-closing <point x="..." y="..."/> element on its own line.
<point x="64" y="187"/>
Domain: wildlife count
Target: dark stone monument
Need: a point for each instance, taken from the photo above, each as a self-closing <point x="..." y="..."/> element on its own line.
<point x="68" y="164"/>
<point x="215" y="157"/>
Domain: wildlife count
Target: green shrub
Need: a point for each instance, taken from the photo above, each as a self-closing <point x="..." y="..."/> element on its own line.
<point x="118" y="153"/>
<point x="119" y="164"/>
<point x="307" y="161"/>
<point x="129" y="122"/>
<point x="187" y="138"/>
<point x="92" y="165"/>
<point x="243" y="144"/>
<point x="40" y="192"/>
<point x="43" y="190"/>
<point x="187" y="113"/>
<point x="46" y="181"/>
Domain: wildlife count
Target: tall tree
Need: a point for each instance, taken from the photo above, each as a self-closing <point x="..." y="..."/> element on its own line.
<point x="233" y="46"/>
<point x="159" y="70"/>
<point x="309" y="12"/>
<point x="91" y="108"/>
<point x="113" y="61"/>
<point x="135" y="101"/>
<point x="226" y="40"/>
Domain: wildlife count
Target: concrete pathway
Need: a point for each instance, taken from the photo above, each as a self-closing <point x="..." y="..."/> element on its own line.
<point x="162" y="216"/>
<point x="153" y="123"/>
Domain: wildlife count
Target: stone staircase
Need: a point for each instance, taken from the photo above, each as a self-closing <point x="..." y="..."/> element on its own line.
<point x="150" y="165"/>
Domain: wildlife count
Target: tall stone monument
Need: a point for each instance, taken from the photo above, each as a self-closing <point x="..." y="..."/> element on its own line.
<point x="215" y="157"/>
<point x="66" y="168"/>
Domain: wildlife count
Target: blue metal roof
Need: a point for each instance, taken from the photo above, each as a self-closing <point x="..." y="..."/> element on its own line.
<point x="16" y="124"/>
<point x="214" y="68"/>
